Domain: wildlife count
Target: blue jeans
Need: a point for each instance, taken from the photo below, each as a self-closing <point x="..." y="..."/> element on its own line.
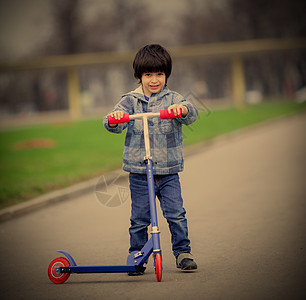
<point x="168" y="191"/>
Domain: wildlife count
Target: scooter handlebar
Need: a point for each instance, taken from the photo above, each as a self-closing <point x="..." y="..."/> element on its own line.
<point x="164" y="114"/>
<point x="124" y="119"/>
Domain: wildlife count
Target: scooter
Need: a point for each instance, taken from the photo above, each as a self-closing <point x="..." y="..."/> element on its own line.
<point x="60" y="268"/>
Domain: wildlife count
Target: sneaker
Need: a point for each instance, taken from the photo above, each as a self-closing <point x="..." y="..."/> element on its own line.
<point x="185" y="262"/>
<point x="140" y="271"/>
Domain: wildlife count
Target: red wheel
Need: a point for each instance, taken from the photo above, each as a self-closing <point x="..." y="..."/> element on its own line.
<point x="158" y="267"/>
<point x="54" y="275"/>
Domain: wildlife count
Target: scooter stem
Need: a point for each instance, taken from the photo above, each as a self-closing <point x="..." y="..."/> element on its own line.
<point x="146" y="137"/>
<point x="151" y="187"/>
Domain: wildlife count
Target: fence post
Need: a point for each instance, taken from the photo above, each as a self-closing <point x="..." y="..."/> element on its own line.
<point x="238" y="82"/>
<point x="74" y="98"/>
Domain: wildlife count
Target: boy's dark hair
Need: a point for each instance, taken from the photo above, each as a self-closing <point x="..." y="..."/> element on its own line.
<point x="152" y="58"/>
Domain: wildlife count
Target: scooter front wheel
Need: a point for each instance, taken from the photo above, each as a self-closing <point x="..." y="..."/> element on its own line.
<point x="158" y="267"/>
<point x="53" y="270"/>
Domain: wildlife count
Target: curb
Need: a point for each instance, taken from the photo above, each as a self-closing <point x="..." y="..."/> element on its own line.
<point x="64" y="194"/>
<point x="87" y="186"/>
<point x="224" y="138"/>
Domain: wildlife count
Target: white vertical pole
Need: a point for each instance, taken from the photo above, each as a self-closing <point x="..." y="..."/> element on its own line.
<point x="146" y="137"/>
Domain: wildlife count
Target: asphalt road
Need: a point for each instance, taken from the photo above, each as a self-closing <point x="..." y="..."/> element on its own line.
<point x="245" y="198"/>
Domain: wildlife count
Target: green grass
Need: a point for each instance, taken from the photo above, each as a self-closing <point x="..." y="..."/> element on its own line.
<point x="224" y="121"/>
<point x="85" y="149"/>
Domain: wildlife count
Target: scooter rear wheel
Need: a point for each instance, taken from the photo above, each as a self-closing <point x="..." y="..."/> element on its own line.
<point x="158" y="267"/>
<point x="54" y="275"/>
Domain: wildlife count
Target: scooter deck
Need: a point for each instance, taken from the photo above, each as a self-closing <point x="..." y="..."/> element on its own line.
<point x="99" y="269"/>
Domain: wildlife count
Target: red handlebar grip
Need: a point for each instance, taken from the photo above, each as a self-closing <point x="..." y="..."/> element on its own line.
<point x="164" y="114"/>
<point x="124" y="119"/>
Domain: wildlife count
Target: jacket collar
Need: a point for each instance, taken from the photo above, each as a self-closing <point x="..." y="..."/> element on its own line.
<point x="138" y="93"/>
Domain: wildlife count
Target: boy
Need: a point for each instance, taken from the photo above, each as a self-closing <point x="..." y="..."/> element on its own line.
<point x="152" y="67"/>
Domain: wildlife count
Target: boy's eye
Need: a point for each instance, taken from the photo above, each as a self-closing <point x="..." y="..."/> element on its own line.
<point x="160" y="74"/>
<point x="147" y="74"/>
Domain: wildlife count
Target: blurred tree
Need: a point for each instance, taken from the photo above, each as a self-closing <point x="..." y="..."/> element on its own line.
<point x="116" y="29"/>
<point x="267" y="19"/>
<point x="232" y="20"/>
<point x="280" y="74"/>
<point x="128" y="24"/>
<point x="106" y="31"/>
<point x="240" y="20"/>
<point x="205" y="23"/>
<point x="66" y="34"/>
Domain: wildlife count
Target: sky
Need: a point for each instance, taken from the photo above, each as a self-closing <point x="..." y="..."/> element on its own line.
<point x="27" y="24"/>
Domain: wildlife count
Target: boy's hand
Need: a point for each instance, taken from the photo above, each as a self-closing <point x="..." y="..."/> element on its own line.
<point x="117" y="115"/>
<point x="176" y="109"/>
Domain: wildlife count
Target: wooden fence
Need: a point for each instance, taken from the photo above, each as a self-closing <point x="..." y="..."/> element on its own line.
<point x="234" y="51"/>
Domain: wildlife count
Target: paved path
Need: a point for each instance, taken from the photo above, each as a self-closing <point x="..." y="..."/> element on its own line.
<point x="245" y="199"/>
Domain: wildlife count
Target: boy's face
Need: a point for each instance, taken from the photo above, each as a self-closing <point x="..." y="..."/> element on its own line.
<point x="153" y="83"/>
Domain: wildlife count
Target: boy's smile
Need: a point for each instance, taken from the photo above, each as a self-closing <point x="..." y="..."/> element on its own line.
<point x="153" y="82"/>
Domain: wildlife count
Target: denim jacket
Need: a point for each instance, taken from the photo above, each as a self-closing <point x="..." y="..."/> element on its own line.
<point x="166" y="137"/>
